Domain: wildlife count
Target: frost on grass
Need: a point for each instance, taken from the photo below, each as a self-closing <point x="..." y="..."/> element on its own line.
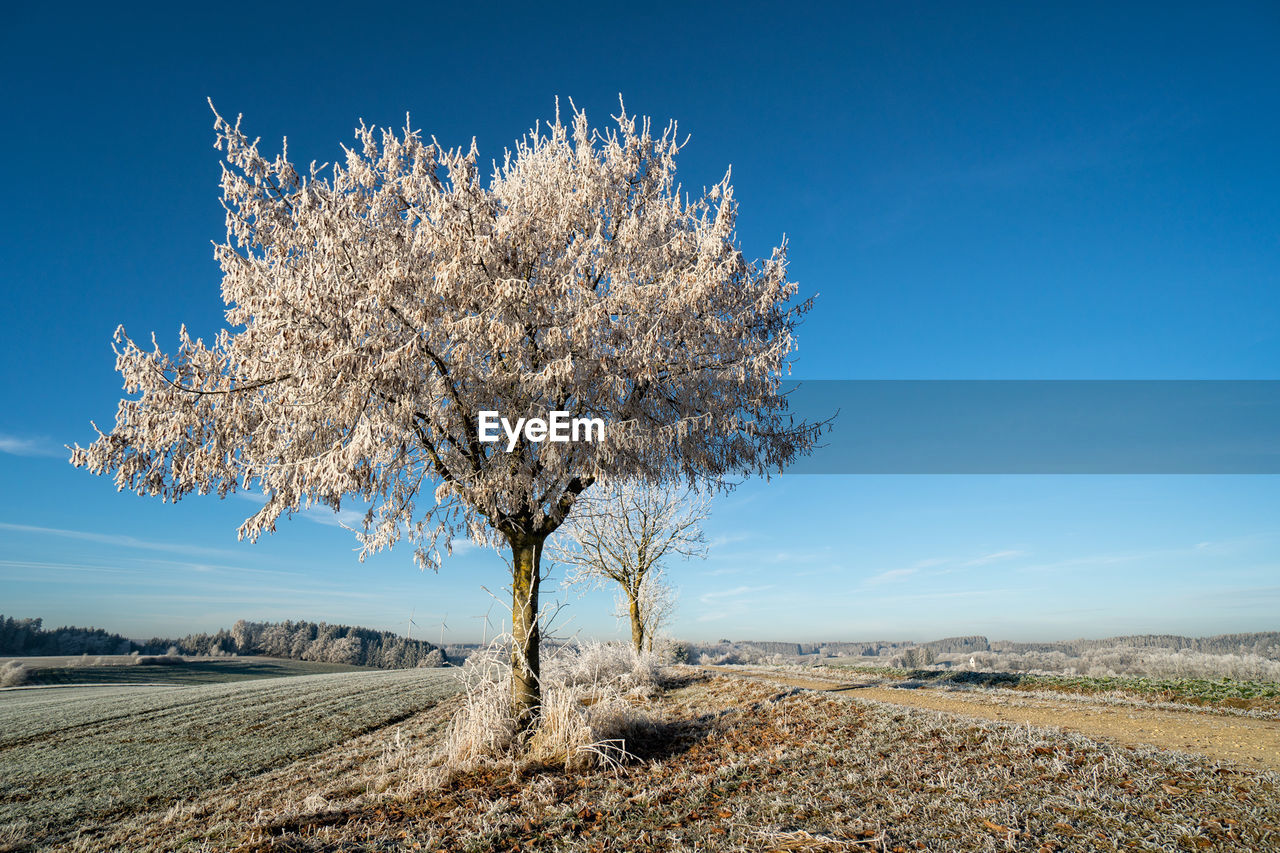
<point x="77" y="765"/>
<point x="13" y="674"/>
<point x="744" y="766"/>
<point x="1260" y="699"/>
<point x="592" y="704"/>
<point x="757" y="769"/>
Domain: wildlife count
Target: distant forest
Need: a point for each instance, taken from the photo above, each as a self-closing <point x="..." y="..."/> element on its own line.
<point x="298" y="640"/>
<point x="24" y="637"/>
<point x="319" y="641"/>
<point x="1263" y="644"/>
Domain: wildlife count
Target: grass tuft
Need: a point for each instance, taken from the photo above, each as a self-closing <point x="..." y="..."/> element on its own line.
<point x="591" y="708"/>
<point x="13" y="674"/>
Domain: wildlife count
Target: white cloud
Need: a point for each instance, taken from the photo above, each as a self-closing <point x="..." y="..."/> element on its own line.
<point x="736" y="592"/>
<point x="46" y="566"/>
<point x="930" y="596"/>
<point x="115" y="539"/>
<point x="15" y="446"/>
<point x="940" y="566"/>
<point x="892" y="575"/>
<point x="991" y="558"/>
<point x="724" y="603"/>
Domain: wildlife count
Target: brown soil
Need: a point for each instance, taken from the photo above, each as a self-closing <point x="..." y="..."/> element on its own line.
<point x="1243" y="741"/>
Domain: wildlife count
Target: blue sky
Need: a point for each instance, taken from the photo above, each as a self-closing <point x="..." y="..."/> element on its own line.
<point x="976" y="191"/>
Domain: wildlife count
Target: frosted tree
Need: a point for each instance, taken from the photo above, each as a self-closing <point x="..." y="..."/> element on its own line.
<point x="623" y="535"/>
<point x="657" y="604"/>
<point x="376" y="307"/>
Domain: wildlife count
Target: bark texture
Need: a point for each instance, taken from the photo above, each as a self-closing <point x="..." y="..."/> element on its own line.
<point x="526" y="557"/>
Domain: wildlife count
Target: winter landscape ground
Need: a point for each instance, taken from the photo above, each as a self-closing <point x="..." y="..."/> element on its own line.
<point x="717" y="758"/>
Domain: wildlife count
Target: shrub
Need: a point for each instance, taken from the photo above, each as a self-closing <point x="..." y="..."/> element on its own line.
<point x="13" y="674"/>
<point x="589" y="710"/>
<point x="434" y="658"/>
<point x="671" y="651"/>
<point x="915" y="658"/>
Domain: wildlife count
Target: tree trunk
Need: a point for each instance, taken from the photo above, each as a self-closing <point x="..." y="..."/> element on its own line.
<point x="526" y="694"/>
<point x="637" y="624"/>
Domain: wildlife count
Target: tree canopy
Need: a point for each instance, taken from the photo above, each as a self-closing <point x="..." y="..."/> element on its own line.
<point x="374" y="309"/>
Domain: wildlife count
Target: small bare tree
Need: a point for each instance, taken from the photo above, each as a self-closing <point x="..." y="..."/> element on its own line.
<point x="622" y="534"/>
<point x="657" y="604"/>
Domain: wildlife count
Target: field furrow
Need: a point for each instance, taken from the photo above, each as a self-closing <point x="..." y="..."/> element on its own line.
<point x="87" y="763"/>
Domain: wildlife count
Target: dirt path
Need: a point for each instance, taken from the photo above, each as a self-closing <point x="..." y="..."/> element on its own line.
<point x="1238" y="740"/>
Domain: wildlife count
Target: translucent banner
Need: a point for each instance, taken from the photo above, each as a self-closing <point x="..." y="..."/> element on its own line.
<point x="1042" y="426"/>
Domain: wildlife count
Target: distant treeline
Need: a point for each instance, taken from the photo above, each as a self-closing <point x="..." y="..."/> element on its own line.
<point x="1264" y="644"/>
<point x="768" y="647"/>
<point x="317" y="641"/>
<point x="314" y="641"/>
<point x="23" y="637"/>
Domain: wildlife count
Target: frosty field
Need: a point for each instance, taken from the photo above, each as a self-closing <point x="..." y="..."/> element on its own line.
<point x="79" y="758"/>
<point x="739" y="760"/>
<point x="736" y="764"/>
<point x="124" y="669"/>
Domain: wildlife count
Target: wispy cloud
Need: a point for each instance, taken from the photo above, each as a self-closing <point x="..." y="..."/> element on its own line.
<point x="47" y="566"/>
<point x="936" y="566"/>
<point x="723" y="603"/>
<point x="230" y="585"/>
<point x="736" y="592"/>
<point x="1022" y="166"/>
<point x="16" y="446"/>
<point x="1114" y="559"/>
<point x="906" y="572"/>
<point x="724" y="570"/>
<point x="215" y="567"/>
<point x="1198" y="553"/>
<point x="992" y="558"/>
<point x="892" y="575"/>
<point x="826" y="570"/>
<point x="797" y="557"/>
<point x="115" y="539"/>
<point x="907" y="195"/>
<point x="960" y="593"/>
<point x="728" y="539"/>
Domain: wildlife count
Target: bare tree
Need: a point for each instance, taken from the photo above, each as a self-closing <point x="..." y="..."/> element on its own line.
<point x="623" y="534"/>
<point x="375" y="311"/>
<point x="657" y="604"/>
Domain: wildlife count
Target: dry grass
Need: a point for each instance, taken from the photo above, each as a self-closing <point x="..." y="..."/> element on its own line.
<point x="13" y="674"/>
<point x="592" y="698"/>
<point x="738" y="766"/>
